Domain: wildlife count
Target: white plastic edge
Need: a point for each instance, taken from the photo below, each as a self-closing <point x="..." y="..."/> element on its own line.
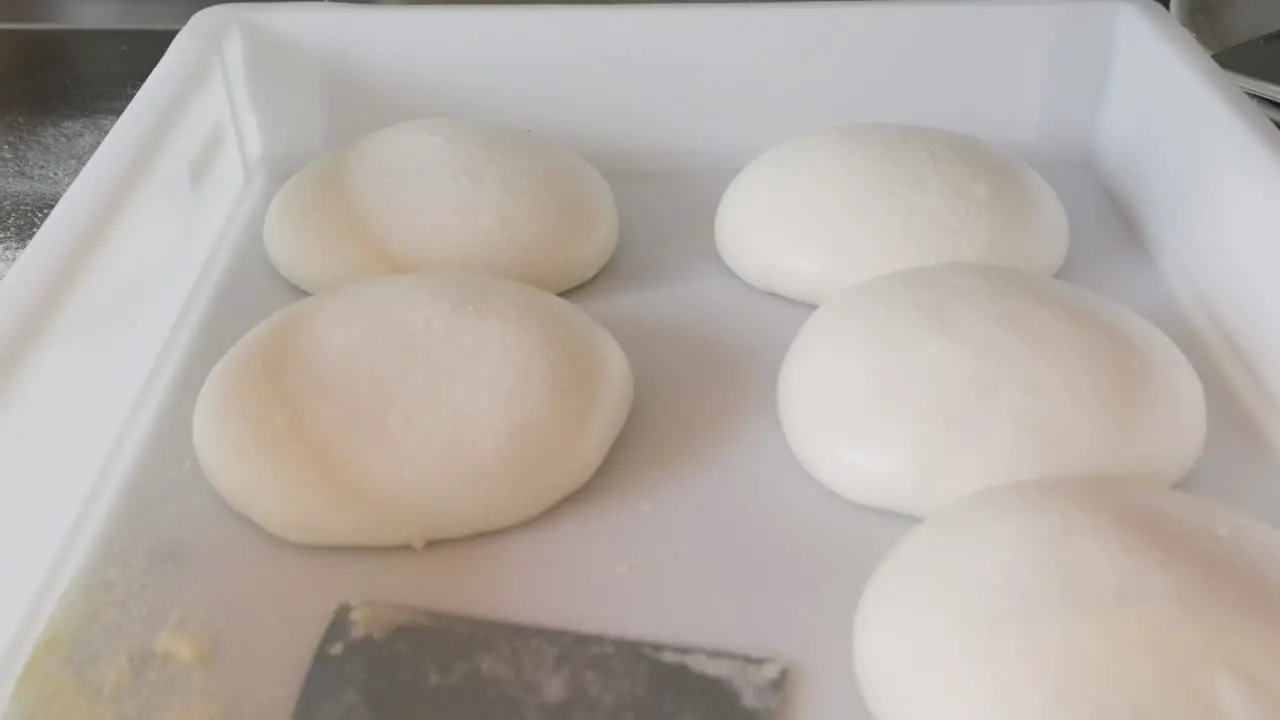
<point x="36" y="536"/>
<point x="1239" y="357"/>
<point x="33" y="290"/>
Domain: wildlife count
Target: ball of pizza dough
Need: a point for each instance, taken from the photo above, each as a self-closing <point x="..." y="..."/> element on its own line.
<point x="815" y="215"/>
<point x="913" y="389"/>
<point x="1075" y="601"/>
<point x="411" y="408"/>
<point x="443" y="194"/>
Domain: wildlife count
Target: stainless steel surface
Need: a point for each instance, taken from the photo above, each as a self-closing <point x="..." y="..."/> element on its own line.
<point x="150" y="13"/>
<point x="1219" y="24"/>
<point x="1269" y="108"/>
<point x="60" y="92"/>
<point x="101" y="13"/>
<point x="1255" y="65"/>
<point x="389" y="662"/>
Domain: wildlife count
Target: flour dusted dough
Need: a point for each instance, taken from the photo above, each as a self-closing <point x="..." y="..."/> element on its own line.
<point x="1075" y="601"/>
<point x="443" y="194"/>
<point x="411" y="408"/>
<point x="915" y="388"/>
<point x="815" y="215"/>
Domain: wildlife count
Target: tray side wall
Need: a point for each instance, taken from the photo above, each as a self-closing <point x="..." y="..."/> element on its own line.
<point x="90" y="306"/>
<point x="690" y="85"/>
<point x="278" y="84"/>
<point x="1197" y="170"/>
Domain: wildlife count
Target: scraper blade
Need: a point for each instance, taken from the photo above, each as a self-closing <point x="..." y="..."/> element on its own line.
<point x="390" y="662"/>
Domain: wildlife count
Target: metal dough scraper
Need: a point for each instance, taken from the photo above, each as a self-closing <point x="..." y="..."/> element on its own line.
<point x="390" y="662"/>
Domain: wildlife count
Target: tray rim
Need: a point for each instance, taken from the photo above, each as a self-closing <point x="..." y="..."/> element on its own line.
<point x="34" y="283"/>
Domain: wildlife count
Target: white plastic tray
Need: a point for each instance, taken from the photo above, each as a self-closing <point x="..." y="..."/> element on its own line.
<point x="700" y="528"/>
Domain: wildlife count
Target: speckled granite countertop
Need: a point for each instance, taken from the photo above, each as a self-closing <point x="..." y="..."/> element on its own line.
<point x="60" y="92"/>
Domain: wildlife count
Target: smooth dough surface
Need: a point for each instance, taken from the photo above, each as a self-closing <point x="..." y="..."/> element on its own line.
<point x="411" y="408"/>
<point x="913" y="389"/>
<point x="1075" y="601"/>
<point x="815" y="215"/>
<point x="443" y="194"/>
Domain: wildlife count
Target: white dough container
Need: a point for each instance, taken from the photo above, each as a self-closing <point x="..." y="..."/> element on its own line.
<point x="701" y="528"/>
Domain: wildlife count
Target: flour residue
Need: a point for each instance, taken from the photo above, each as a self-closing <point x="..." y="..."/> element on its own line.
<point x="756" y="682"/>
<point x="189" y="647"/>
<point x="374" y="620"/>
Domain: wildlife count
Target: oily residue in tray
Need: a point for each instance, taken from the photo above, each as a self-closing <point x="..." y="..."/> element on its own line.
<point x="104" y="655"/>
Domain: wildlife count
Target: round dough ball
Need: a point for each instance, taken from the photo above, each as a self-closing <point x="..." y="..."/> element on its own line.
<point x="411" y="408"/>
<point x="443" y="194"/>
<point x="816" y="215"/>
<point x="1075" y="601"/>
<point x="913" y="389"/>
